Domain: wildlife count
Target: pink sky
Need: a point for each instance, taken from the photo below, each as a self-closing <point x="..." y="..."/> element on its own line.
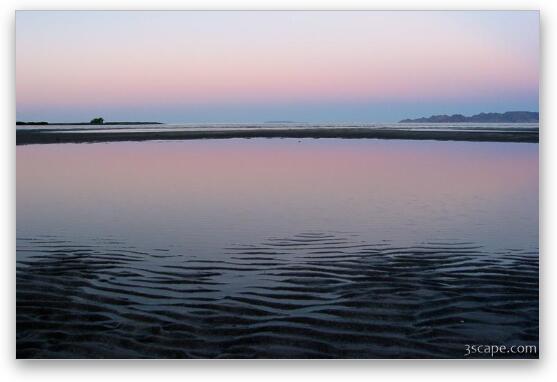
<point x="222" y="62"/>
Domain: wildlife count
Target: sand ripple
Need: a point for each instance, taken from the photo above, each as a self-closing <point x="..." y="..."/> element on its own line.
<point x="312" y="295"/>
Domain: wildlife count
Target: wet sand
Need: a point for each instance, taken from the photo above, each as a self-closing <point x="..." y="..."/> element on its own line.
<point x="311" y="295"/>
<point x="43" y="136"/>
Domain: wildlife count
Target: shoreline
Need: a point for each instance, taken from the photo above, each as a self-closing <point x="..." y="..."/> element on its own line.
<point x="46" y="136"/>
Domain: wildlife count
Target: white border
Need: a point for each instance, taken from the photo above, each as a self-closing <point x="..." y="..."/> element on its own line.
<point x="430" y="371"/>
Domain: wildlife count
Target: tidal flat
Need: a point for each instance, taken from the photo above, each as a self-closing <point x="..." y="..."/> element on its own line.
<point x="276" y="248"/>
<point x="443" y="132"/>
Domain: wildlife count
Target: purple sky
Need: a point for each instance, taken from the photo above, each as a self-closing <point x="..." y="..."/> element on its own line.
<point x="258" y="66"/>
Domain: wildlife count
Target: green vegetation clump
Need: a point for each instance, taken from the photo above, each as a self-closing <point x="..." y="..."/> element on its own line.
<point x="97" y="121"/>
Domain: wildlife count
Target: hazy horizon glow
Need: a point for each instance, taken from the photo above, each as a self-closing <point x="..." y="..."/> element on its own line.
<point x="201" y="66"/>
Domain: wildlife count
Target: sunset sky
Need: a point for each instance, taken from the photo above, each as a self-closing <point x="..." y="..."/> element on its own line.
<point x="260" y="66"/>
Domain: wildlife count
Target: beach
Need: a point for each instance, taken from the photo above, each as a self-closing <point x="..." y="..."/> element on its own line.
<point x="43" y="136"/>
<point x="277" y="184"/>
<point x="312" y="295"/>
<point x="276" y="248"/>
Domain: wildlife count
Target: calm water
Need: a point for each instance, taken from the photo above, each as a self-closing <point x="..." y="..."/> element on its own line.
<point x="276" y="248"/>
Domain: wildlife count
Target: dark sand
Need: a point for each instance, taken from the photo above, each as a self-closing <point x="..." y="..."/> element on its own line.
<point x="41" y="136"/>
<point x="338" y="297"/>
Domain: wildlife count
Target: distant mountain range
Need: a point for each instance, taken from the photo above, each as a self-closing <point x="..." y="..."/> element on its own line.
<point x="508" y="117"/>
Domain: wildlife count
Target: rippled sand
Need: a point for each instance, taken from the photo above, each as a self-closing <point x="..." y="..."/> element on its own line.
<point x="312" y="295"/>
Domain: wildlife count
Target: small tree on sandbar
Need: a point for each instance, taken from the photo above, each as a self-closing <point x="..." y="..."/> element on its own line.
<point x="97" y="121"/>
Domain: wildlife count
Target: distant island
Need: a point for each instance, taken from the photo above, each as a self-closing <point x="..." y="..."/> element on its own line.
<point x="281" y="121"/>
<point x="94" y="121"/>
<point x="508" y="117"/>
<point x="31" y="123"/>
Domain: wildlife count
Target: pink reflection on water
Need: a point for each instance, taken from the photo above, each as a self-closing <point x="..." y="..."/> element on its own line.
<point x="336" y="183"/>
<point x="211" y="169"/>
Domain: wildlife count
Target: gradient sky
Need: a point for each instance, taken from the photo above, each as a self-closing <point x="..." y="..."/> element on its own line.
<point x="241" y="66"/>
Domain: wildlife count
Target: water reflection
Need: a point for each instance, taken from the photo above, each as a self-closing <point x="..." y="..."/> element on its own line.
<point x="225" y="191"/>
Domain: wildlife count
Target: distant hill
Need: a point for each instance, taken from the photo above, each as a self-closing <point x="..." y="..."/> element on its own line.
<point x="508" y="117"/>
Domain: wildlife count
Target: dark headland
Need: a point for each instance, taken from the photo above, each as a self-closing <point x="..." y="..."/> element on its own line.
<point x="41" y="123"/>
<point x="507" y="117"/>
